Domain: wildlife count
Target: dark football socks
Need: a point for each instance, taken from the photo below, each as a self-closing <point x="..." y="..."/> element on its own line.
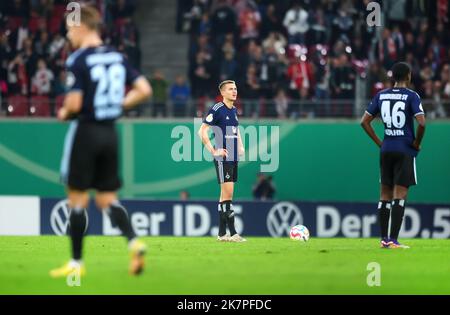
<point x="397" y="213"/>
<point x="222" y="219"/>
<point x="229" y="216"/>
<point x="384" y="213"/>
<point x="77" y="221"/>
<point x="119" y="217"/>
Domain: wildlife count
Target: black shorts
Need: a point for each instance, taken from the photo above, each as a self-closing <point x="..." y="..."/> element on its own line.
<point x="226" y="171"/>
<point x="90" y="158"/>
<point x="398" y="169"/>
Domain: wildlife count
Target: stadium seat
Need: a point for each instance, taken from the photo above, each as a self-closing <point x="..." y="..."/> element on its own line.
<point x="119" y="23"/>
<point x="33" y="24"/>
<point x="14" y="22"/>
<point x="40" y="106"/>
<point x="17" y="106"/>
<point x="54" y="24"/>
<point x="59" y="10"/>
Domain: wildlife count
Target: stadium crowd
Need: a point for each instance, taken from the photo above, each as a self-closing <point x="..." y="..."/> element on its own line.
<point x="33" y="48"/>
<point x="283" y="54"/>
<point x="307" y="50"/>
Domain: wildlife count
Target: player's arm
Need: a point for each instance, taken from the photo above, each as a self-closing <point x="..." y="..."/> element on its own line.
<point x="241" y="149"/>
<point x="203" y="134"/>
<point x="420" y="131"/>
<point x="72" y="105"/>
<point x="141" y="91"/>
<point x="366" y="124"/>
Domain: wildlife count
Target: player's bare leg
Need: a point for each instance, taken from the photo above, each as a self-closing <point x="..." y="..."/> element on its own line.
<point x="78" y="201"/>
<point x="108" y="202"/>
<point x="384" y="213"/>
<point x="226" y="197"/>
<point x="397" y="213"/>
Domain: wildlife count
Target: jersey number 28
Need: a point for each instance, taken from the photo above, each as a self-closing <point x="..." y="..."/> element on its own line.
<point x="110" y="90"/>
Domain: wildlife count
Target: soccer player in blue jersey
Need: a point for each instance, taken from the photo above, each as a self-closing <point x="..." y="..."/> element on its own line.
<point x="222" y="119"/>
<point x="97" y="76"/>
<point x="397" y="106"/>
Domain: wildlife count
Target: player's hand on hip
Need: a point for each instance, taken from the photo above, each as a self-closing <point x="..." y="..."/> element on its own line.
<point x="63" y="114"/>
<point x="241" y="151"/>
<point x="220" y="152"/>
<point x="416" y="146"/>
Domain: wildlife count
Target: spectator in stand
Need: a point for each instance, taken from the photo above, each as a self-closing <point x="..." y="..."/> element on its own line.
<point x="251" y="92"/>
<point x="300" y="74"/>
<point x="281" y="103"/>
<point x="387" y="50"/>
<point x="271" y="22"/>
<point x="122" y="9"/>
<point x="18" y="36"/>
<point x="318" y="27"/>
<point x="249" y="22"/>
<point x="201" y="75"/>
<point x="56" y="45"/>
<point x="42" y="45"/>
<point x="29" y="56"/>
<point x="159" y="99"/>
<point x="202" y="45"/>
<point x="399" y="41"/>
<point x="376" y="79"/>
<point x="296" y="23"/>
<point x="223" y="21"/>
<point x="343" y="24"/>
<point x="343" y="84"/>
<point x="18" y="8"/>
<point x="228" y="67"/>
<point x="194" y="17"/>
<point x="42" y="79"/>
<point x="41" y="8"/>
<point x="17" y="76"/>
<point x="179" y="96"/>
<point x="59" y="85"/>
<point x="205" y="25"/>
<point x="432" y="99"/>
<point x="277" y="41"/>
<point x="5" y="53"/>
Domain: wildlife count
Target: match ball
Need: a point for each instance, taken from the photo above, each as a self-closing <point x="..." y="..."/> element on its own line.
<point x="299" y="233"/>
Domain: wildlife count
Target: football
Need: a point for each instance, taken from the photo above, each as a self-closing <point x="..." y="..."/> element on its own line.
<point x="299" y="233"/>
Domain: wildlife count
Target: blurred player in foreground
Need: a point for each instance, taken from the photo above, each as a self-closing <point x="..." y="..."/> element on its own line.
<point x="97" y="76"/>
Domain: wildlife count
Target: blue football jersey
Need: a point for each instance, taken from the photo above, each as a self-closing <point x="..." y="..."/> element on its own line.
<point x="224" y="123"/>
<point x="397" y="108"/>
<point x="101" y="74"/>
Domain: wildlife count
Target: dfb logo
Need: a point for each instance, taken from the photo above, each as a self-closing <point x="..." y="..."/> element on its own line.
<point x="282" y="217"/>
<point x="59" y="218"/>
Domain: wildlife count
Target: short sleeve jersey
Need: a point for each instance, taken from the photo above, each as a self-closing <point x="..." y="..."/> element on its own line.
<point x="101" y="74"/>
<point x="224" y="123"/>
<point x="397" y="108"/>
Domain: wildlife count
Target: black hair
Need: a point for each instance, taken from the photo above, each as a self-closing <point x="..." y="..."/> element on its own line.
<point x="401" y="71"/>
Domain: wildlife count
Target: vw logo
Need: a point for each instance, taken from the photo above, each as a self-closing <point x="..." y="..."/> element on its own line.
<point x="59" y="218"/>
<point x="282" y="217"/>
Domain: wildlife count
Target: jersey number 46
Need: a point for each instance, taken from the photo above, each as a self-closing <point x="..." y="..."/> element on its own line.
<point x="396" y="116"/>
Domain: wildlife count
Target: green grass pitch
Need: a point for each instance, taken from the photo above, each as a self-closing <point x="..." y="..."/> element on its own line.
<point x="203" y="266"/>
